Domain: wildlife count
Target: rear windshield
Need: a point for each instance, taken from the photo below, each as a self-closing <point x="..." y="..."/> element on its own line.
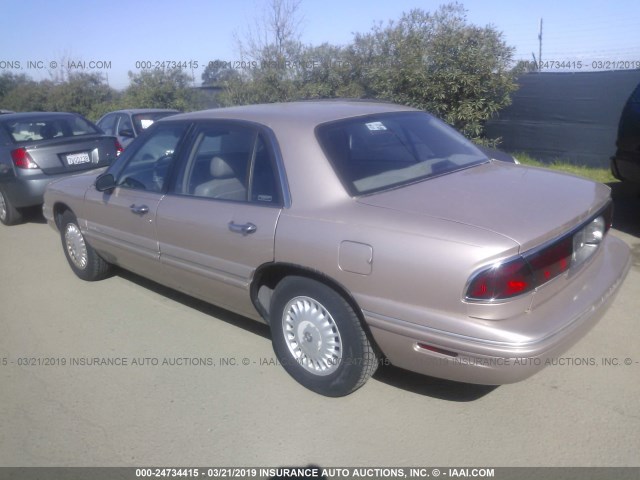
<point x="375" y="153"/>
<point x="142" y="121"/>
<point x="34" y="129"/>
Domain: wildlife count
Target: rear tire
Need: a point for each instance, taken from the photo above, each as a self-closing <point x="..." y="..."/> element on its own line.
<point x="318" y="338"/>
<point x="83" y="259"/>
<point x="9" y="215"/>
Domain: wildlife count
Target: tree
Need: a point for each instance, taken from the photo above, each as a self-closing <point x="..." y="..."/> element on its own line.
<point x="26" y="95"/>
<point x="326" y="71"/>
<point x="83" y="93"/>
<point x="217" y="73"/>
<point x="160" y="89"/>
<point x="9" y="81"/>
<point x="440" y="63"/>
<point x="275" y="33"/>
<point x="271" y="50"/>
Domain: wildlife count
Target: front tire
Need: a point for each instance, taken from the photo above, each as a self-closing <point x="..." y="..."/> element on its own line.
<point x="9" y="215"/>
<point x="83" y="259"/>
<point x="318" y="338"/>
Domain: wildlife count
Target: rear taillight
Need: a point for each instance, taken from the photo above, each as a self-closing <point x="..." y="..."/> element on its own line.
<point x="119" y="148"/>
<point x="501" y="281"/>
<point x="530" y="270"/>
<point x="551" y="261"/>
<point x="22" y="159"/>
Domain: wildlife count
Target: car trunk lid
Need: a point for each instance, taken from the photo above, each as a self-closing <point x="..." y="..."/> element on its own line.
<point x="69" y="154"/>
<point x="529" y="205"/>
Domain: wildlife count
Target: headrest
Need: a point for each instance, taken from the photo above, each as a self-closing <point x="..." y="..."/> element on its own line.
<point x="48" y="131"/>
<point x="219" y="168"/>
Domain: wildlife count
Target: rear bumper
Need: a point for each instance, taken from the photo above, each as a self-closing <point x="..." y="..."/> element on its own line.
<point x="481" y="361"/>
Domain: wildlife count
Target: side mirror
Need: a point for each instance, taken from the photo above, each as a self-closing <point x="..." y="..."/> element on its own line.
<point x="105" y="182"/>
<point x="126" y="132"/>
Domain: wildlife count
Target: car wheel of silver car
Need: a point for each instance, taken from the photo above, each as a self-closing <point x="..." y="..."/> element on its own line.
<point x="83" y="259"/>
<point x="318" y="337"/>
<point x="9" y="215"/>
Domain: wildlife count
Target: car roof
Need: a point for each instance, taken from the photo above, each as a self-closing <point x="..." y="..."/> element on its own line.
<point x="307" y="113"/>
<point x="135" y="111"/>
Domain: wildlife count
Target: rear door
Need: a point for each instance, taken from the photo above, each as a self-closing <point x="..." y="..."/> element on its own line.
<point x="217" y="225"/>
<point x="121" y="224"/>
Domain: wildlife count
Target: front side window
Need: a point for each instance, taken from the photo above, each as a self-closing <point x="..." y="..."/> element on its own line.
<point x="108" y="124"/>
<point x="230" y="162"/>
<point x="148" y="167"/>
<point x="379" y="152"/>
<point x="125" y="124"/>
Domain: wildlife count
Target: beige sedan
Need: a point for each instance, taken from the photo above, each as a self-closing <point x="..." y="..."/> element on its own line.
<point x="360" y="232"/>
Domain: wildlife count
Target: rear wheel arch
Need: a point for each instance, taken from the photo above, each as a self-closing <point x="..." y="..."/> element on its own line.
<point x="270" y="274"/>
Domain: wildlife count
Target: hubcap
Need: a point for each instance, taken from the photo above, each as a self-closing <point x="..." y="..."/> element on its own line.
<point x="3" y="208"/>
<point x="76" y="247"/>
<point x="312" y="336"/>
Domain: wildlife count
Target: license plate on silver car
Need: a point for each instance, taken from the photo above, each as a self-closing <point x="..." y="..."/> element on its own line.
<point x="78" y="158"/>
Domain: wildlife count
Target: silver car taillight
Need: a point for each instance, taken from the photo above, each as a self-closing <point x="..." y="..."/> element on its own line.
<point x="586" y="241"/>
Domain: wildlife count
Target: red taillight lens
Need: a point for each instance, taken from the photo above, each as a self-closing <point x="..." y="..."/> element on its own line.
<point x="22" y="159"/>
<point x="551" y="261"/>
<point x="502" y="281"/>
<point x="119" y="148"/>
<point x="535" y="268"/>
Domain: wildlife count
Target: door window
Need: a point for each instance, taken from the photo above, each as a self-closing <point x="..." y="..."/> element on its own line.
<point x="125" y="124"/>
<point x="230" y="163"/>
<point x="148" y="167"/>
<point x="108" y="124"/>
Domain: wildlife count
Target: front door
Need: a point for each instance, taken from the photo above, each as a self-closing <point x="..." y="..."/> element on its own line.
<point x="123" y="221"/>
<point x="217" y="224"/>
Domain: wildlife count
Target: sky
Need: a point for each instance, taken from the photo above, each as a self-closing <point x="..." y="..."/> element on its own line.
<point x="113" y="37"/>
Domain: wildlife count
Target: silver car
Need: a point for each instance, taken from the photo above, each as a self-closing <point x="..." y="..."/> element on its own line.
<point x="38" y="147"/>
<point x="128" y="124"/>
<point x="361" y="233"/>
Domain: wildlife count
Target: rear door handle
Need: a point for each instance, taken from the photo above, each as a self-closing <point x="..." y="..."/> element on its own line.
<point x="141" y="210"/>
<point x="244" y="229"/>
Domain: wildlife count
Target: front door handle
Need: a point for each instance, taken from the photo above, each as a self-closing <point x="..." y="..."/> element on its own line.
<point x="139" y="210"/>
<point x="244" y="229"/>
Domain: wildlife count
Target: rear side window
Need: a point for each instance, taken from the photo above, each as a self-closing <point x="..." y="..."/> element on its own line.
<point x="375" y="153"/>
<point x="34" y="129"/>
